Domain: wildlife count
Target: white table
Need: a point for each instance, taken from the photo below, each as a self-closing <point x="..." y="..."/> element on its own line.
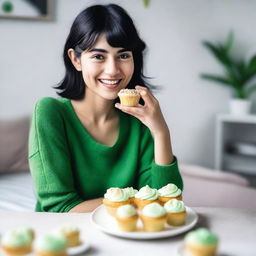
<point x="236" y="229"/>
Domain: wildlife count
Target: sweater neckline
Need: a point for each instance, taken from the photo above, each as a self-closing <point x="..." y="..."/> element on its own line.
<point x="87" y="134"/>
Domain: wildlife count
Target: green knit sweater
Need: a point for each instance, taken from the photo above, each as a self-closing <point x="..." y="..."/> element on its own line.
<point x="68" y="166"/>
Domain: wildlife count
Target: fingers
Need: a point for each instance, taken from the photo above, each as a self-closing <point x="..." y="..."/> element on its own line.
<point x="135" y="111"/>
<point x="145" y="94"/>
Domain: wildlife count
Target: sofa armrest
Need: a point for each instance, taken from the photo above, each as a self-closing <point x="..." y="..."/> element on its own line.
<point x="200" y="172"/>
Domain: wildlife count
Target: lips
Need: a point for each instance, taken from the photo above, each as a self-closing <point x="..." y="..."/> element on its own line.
<point x="110" y="83"/>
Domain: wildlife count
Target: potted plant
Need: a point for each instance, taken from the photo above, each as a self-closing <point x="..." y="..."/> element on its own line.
<point x="238" y="74"/>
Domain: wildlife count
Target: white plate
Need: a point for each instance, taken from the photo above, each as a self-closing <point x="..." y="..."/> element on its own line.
<point x="106" y="223"/>
<point x="78" y="249"/>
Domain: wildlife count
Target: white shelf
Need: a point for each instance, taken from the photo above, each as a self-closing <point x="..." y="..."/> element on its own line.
<point x="251" y="119"/>
<point x="234" y="128"/>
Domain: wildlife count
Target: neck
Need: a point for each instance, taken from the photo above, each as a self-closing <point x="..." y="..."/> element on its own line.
<point x="96" y="110"/>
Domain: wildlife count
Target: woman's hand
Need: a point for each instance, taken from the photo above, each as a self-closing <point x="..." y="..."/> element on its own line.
<point x="149" y="114"/>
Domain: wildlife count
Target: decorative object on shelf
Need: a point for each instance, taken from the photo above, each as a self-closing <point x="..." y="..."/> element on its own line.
<point x="27" y="9"/>
<point x="242" y="148"/>
<point x="238" y="74"/>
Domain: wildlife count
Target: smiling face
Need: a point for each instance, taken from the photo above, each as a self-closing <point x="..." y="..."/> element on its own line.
<point x="105" y="69"/>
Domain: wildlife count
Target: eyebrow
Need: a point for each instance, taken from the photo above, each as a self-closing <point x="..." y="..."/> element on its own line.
<point x="105" y="51"/>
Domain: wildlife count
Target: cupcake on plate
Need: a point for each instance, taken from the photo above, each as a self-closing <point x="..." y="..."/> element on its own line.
<point x="153" y="217"/>
<point x="131" y="192"/>
<point x="201" y="242"/>
<point x="113" y="198"/>
<point x="168" y="192"/>
<point x="27" y="230"/>
<point x="129" y="97"/>
<point x="127" y="217"/>
<point x="176" y="212"/>
<point x="51" y="245"/>
<point x="72" y="235"/>
<point x="146" y="195"/>
<point x="16" y="243"/>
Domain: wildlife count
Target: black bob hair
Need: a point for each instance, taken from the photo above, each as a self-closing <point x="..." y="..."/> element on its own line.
<point x="118" y="27"/>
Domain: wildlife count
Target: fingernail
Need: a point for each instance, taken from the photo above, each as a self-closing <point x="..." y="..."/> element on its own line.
<point x="117" y="105"/>
<point x="143" y="93"/>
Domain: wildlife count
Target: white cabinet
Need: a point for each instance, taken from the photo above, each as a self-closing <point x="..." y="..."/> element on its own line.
<point x="235" y="145"/>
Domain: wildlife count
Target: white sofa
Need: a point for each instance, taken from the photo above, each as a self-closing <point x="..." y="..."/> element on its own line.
<point x="202" y="186"/>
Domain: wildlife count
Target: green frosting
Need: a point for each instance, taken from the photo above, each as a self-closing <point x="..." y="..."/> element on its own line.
<point x="125" y="211"/>
<point x="153" y="210"/>
<point x="51" y="243"/>
<point x="16" y="239"/>
<point x="27" y="230"/>
<point x="131" y="191"/>
<point x="174" y="206"/>
<point x="170" y="190"/>
<point x="117" y="195"/>
<point x="201" y="236"/>
<point x="147" y="193"/>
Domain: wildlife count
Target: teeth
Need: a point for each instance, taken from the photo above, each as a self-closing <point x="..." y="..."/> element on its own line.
<point x="109" y="82"/>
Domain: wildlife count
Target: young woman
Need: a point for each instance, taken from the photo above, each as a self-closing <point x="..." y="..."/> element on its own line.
<point x="85" y="142"/>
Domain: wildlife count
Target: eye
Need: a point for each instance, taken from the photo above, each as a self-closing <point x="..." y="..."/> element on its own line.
<point x="98" y="57"/>
<point x="124" y="56"/>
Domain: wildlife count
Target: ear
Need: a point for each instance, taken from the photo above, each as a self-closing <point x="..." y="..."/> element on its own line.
<point x="75" y="60"/>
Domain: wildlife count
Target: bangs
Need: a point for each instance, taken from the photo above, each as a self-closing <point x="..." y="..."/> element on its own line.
<point x="117" y="36"/>
<point x="119" y="31"/>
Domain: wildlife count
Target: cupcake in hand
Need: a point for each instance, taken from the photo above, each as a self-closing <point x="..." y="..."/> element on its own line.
<point x="127" y="217"/>
<point x="201" y="242"/>
<point x="153" y="217"/>
<point x="168" y="192"/>
<point x="146" y="195"/>
<point x="51" y="245"/>
<point x="176" y="212"/>
<point x="129" y="97"/>
<point x="113" y="198"/>
<point x="16" y="243"/>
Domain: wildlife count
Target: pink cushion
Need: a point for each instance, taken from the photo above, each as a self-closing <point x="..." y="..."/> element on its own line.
<point x="207" y="187"/>
<point x="213" y="175"/>
<point x="203" y="192"/>
<point x="13" y="145"/>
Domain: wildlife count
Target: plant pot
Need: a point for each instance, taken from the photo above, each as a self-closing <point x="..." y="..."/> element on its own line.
<point x="240" y="106"/>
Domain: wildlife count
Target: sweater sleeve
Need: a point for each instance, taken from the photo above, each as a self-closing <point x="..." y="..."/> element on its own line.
<point x="49" y="159"/>
<point x="152" y="174"/>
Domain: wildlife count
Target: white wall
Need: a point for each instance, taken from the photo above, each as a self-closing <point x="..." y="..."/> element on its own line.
<point x="31" y="61"/>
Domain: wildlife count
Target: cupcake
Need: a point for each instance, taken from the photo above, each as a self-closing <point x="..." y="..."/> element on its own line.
<point x="146" y="195"/>
<point x="201" y="242"/>
<point x="153" y="217"/>
<point x="168" y="192"/>
<point x="16" y="243"/>
<point x="127" y="217"/>
<point x="72" y="234"/>
<point x="113" y="198"/>
<point x="129" y="97"/>
<point x="176" y="212"/>
<point x="51" y="245"/>
<point x="27" y="230"/>
<point x="131" y="193"/>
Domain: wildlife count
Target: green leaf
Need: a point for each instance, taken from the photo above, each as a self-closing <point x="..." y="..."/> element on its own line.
<point x="251" y="67"/>
<point x="219" y="53"/>
<point x="216" y="78"/>
<point x="146" y="3"/>
<point x="251" y="90"/>
<point x="229" y="41"/>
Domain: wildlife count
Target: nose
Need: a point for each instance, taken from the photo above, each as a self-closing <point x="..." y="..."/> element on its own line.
<point x="112" y="67"/>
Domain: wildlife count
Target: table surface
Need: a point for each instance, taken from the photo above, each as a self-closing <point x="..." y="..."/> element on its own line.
<point x="236" y="229"/>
